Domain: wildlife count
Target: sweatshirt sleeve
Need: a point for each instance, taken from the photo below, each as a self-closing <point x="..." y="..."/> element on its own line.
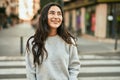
<point x="74" y="63"/>
<point x="30" y="67"/>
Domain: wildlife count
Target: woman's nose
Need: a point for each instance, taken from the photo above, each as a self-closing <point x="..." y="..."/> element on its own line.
<point x="56" y="15"/>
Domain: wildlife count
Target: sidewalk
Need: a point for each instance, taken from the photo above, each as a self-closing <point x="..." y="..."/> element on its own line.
<point x="87" y="45"/>
<point x="10" y="39"/>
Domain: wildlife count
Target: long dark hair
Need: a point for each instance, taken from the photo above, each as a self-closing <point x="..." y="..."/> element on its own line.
<point x="42" y="33"/>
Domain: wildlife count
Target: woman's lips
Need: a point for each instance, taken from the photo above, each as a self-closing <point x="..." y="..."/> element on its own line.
<point x="55" y="22"/>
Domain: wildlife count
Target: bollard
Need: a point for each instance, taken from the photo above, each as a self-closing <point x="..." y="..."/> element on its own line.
<point x="21" y="45"/>
<point x="116" y="40"/>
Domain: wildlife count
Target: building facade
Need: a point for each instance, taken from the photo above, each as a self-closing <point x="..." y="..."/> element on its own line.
<point x="98" y="18"/>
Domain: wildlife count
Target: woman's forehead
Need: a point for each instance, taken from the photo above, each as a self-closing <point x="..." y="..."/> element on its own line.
<point x="54" y="8"/>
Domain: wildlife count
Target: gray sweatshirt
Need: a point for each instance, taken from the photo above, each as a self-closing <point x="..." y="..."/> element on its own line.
<point x="62" y="62"/>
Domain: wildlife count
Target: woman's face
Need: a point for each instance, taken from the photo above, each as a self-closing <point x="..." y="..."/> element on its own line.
<point x="54" y="17"/>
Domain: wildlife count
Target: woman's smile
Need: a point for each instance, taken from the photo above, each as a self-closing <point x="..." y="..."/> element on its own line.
<point x="55" y="21"/>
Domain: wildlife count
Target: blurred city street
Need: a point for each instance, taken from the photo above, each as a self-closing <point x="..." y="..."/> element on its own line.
<point x="95" y="23"/>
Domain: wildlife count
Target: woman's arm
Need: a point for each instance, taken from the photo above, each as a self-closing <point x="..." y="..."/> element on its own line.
<point x="30" y="67"/>
<point x="74" y="63"/>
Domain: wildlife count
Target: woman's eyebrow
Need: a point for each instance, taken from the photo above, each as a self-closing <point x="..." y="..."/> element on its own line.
<point x="54" y="11"/>
<point x="51" y="11"/>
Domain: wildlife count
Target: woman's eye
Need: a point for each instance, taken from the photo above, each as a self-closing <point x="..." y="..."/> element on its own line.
<point x="59" y="13"/>
<point x="51" y="12"/>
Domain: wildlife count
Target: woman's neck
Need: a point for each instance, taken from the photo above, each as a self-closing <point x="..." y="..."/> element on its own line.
<point x="53" y="33"/>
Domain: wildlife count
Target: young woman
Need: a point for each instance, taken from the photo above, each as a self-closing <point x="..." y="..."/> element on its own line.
<point x="52" y="52"/>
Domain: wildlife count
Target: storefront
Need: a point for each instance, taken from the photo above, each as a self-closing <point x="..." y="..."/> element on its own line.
<point x="113" y="20"/>
<point x="78" y="22"/>
<point x="90" y="20"/>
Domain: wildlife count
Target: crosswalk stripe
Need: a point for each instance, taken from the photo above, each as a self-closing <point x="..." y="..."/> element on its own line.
<point x="12" y="71"/>
<point x="15" y="79"/>
<point x="100" y="62"/>
<point x="99" y="78"/>
<point x="97" y="57"/>
<point x="11" y="58"/>
<point x="11" y="63"/>
<point x="99" y="69"/>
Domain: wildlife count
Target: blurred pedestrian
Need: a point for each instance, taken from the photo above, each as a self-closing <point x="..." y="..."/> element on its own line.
<point x="52" y="52"/>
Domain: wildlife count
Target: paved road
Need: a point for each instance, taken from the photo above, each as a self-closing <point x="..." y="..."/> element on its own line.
<point x="93" y="67"/>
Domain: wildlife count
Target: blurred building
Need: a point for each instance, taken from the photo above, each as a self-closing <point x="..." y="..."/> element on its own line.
<point x="28" y="8"/>
<point x="8" y="8"/>
<point x="24" y="9"/>
<point x="98" y="18"/>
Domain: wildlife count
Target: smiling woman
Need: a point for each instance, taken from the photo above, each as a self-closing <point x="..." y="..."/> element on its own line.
<point x="52" y="49"/>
